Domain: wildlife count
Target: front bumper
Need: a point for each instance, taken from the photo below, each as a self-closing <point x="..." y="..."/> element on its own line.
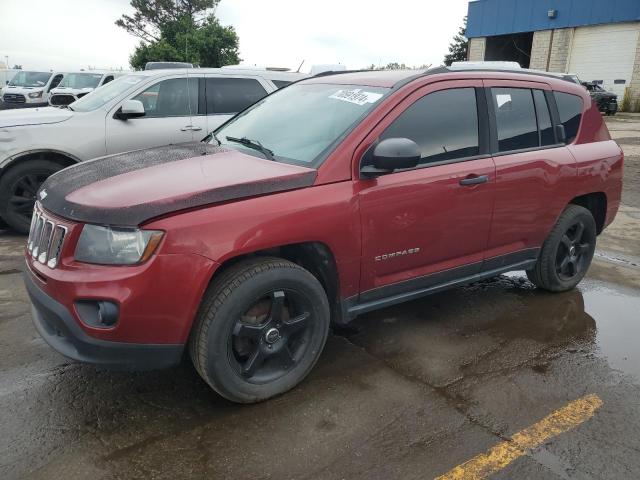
<point x="59" y="329"/>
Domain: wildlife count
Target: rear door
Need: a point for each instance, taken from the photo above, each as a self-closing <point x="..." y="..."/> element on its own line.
<point x="227" y="95"/>
<point x="533" y="170"/>
<point x="429" y="225"/>
<point x="168" y="119"/>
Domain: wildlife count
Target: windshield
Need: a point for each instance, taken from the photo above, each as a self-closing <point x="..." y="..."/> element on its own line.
<point x="99" y="97"/>
<point x="81" y="80"/>
<point x="301" y="122"/>
<point x="30" y="79"/>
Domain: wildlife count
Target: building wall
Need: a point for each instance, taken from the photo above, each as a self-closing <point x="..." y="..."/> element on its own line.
<point x="540" y="49"/>
<point x="477" y="47"/>
<point x="634" y="85"/>
<point x="560" y="48"/>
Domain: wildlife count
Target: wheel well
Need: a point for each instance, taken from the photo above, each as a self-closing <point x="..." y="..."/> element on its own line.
<point x="60" y="158"/>
<point x="596" y="203"/>
<point x="315" y="257"/>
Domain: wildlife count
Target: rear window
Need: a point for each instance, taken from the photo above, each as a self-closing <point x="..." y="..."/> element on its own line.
<point x="232" y="95"/>
<point x="570" y="111"/>
<point x="515" y="119"/>
<point x="280" y="83"/>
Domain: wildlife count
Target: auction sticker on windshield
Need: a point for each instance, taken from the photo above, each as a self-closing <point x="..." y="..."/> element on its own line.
<point x="357" y="96"/>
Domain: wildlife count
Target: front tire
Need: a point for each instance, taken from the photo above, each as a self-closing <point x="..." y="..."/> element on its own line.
<point x="18" y="188"/>
<point x="260" y="330"/>
<point x="567" y="253"/>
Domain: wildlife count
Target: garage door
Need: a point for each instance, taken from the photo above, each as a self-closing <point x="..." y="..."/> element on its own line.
<point x="605" y="52"/>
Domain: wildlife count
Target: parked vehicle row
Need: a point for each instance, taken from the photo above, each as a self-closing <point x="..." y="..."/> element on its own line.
<point x="333" y="197"/>
<point x="39" y="89"/>
<point x="138" y="110"/>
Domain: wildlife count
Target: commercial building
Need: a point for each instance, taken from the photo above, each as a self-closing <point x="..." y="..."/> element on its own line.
<point x="599" y="40"/>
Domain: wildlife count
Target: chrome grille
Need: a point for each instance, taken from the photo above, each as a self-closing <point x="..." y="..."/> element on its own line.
<point x="62" y="99"/>
<point x="45" y="239"/>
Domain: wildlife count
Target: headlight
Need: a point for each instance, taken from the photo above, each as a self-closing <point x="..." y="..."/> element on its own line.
<point x="116" y="246"/>
<point x="35" y="94"/>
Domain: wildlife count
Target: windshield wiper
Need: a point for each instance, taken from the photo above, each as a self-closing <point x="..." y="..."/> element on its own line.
<point x="255" y="144"/>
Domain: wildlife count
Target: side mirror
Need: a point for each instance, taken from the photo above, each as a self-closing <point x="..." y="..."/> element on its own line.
<point x="561" y="136"/>
<point x="392" y="154"/>
<point x="130" y="109"/>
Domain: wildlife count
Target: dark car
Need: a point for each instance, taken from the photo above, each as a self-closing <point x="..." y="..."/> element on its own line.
<point x="607" y="101"/>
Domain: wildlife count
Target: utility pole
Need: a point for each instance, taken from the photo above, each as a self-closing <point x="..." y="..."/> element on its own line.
<point x="6" y="61"/>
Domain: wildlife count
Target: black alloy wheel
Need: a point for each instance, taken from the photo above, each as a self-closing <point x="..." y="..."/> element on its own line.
<point x="572" y="256"/>
<point x="271" y="337"/>
<point x="260" y="329"/>
<point x="567" y="252"/>
<point x="23" y="196"/>
<point x="18" y="191"/>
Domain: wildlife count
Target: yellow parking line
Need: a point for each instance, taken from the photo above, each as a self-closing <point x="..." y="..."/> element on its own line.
<point x="498" y="457"/>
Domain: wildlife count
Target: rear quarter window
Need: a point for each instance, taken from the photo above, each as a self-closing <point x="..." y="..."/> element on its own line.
<point x="280" y="83"/>
<point x="232" y="95"/>
<point x="570" y="112"/>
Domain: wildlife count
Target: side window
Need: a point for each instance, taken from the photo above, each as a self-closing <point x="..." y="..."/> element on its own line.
<point x="444" y="124"/>
<point x="544" y="119"/>
<point x="570" y="111"/>
<point x="280" y="83"/>
<point x="107" y="79"/>
<point x="515" y="118"/>
<point x="170" y="98"/>
<point x="231" y="95"/>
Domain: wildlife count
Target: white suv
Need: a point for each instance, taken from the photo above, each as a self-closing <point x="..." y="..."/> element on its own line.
<point x="30" y="89"/>
<point x="139" y="110"/>
<point x="76" y="85"/>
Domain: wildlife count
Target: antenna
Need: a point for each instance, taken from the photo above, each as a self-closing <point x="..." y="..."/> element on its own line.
<point x="298" y="70"/>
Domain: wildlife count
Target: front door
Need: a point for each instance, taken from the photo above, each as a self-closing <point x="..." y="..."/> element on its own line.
<point x="170" y="105"/>
<point x="430" y="224"/>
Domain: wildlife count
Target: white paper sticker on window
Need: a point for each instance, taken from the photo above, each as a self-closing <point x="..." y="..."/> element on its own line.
<point x="357" y="96"/>
<point x="501" y="99"/>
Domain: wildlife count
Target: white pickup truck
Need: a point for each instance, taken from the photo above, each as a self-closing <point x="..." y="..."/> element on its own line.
<point x="76" y="85"/>
<point x="139" y="110"/>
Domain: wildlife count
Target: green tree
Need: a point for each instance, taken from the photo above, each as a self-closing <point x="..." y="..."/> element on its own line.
<point x="458" y="47"/>
<point x="181" y="31"/>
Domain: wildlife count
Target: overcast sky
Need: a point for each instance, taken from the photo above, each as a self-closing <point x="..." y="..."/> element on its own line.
<point x="74" y="34"/>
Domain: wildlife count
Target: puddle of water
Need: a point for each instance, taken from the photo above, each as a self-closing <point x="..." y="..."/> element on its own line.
<point x="602" y="314"/>
<point x="617" y="314"/>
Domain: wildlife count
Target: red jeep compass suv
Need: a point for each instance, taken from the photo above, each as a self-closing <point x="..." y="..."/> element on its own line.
<point x="337" y="195"/>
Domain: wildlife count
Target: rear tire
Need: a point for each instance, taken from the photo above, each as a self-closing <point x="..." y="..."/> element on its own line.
<point x="260" y="329"/>
<point x="18" y="188"/>
<point x="567" y="253"/>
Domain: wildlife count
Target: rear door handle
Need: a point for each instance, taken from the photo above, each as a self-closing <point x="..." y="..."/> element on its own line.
<point x="191" y="128"/>
<point x="474" y="180"/>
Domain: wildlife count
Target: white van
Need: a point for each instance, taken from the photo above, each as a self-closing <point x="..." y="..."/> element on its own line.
<point x="30" y="89"/>
<point x="139" y="110"/>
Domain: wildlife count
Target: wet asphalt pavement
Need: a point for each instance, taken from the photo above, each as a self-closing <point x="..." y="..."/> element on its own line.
<point x="409" y="392"/>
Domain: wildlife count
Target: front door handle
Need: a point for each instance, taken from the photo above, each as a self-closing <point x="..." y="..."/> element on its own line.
<point x="191" y="128"/>
<point x="474" y="180"/>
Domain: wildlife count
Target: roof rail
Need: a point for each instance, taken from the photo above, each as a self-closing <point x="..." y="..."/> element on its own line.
<point x="337" y="72"/>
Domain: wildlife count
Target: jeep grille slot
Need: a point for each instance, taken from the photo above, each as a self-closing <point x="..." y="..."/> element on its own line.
<point x="45" y="239"/>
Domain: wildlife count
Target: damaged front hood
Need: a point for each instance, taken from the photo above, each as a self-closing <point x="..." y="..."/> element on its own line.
<point x="130" y="188"/>
<point x="33" y="116"/>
